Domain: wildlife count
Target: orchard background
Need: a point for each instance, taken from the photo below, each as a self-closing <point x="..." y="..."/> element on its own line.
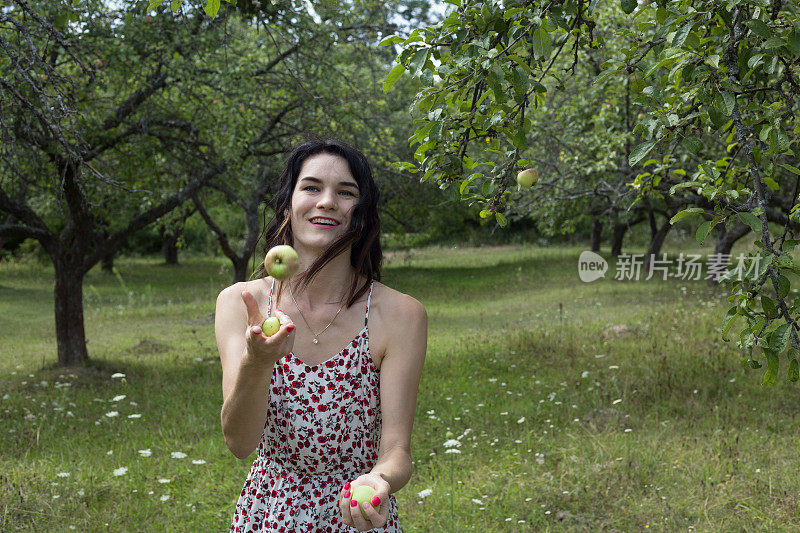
<point x="140" y="146"/>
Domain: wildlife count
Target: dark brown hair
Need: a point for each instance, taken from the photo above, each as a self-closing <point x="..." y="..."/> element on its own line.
<point x="365" y="225"/>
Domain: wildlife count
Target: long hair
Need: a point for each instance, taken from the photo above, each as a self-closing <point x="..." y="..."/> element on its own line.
<point x="363" y="235"/>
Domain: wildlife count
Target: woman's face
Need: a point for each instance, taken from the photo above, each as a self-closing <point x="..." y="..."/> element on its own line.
<point x="323" y="201"/>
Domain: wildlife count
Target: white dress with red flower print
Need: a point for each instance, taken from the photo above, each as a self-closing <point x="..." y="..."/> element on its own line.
<point x="323" y="429"/>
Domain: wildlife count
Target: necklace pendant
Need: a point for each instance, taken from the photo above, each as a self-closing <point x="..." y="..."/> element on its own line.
<point x="315" y="341"/>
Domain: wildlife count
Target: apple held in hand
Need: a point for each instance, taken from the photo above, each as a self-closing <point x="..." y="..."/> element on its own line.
<point x="527" y="178"/>
<point x="270" y="326"/>
<point x="281" y="262"/>
<point x="362" y="494"/>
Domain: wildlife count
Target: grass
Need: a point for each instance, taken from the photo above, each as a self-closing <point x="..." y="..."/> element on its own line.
<point x="564" y="421"/>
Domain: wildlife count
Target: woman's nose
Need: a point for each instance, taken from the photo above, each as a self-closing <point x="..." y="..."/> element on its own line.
<point x="327" y="200"/>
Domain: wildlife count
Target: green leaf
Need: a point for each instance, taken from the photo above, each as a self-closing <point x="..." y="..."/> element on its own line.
<point x="790" y="168"/>
<point x="772" y="368"/>
<point x="392" y="39"/>
<point x="774" y="42"/>
<point x="794" y="370"/>
<point x="768" y="305"/>
<point x="693" y="144"/>
<point x="759" y="28"/>
<point x="680" y="35"/>
<point x="495" y="84"/>
<point x="628" y="6"/>
<point x="501" y="220"/>
<point x="418" y="60"/>
<point x="717" y="118"/>
<point x="727" y="322"/>
<point x="176" y="4"/>
<point x="485" y="213"/>
<point x="641" y="150"/>
<point x="751" y="220"/>
<point x="729" y="101"/>
<point x="780" y="338"/>
<point x="794" y="42"/>
<point x="154" y="4"/>
<point x="702" y="231"/>
<point x="680" y="215"/>
<point x="392" y="78"/>
<point x="542" y="47"/>
<point x="211" y="8"/>
<point x="783" y="286"/>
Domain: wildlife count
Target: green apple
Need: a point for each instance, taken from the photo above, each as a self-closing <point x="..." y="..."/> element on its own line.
<point x="363" y="494"/>
<point x="527" y="178"/>
<point x="270" y="326"/>
<point x="281" y="262"/>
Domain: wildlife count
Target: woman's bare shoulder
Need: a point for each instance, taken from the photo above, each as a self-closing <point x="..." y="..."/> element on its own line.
<point x="393" y="301"/>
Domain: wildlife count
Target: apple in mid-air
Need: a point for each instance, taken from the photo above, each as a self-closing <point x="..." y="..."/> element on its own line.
<point x="270" y="326"/>
<point x="363" y="494"/>
<point x="281" y="262"/>
<point x="527" y="178"/>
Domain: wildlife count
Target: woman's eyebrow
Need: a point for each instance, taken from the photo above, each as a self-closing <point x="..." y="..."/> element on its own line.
<point x="342" y="183"/>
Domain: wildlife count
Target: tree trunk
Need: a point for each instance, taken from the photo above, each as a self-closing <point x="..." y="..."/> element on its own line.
<point x="107" y="263"/>
<point x="170" y="248"/>
<point x="597" y="233"/>
<point x="239" y="269"/>
<point x="70" y="333"/>
<point x="655" y="245"/>
<point x="617" y="238"/>
<point x="725" y="241"/>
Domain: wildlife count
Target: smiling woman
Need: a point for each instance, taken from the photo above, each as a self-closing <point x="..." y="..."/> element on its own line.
<point x="322" y="424"/>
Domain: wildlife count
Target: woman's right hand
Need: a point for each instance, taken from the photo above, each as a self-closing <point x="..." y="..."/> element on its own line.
<point x="259" y="346"/>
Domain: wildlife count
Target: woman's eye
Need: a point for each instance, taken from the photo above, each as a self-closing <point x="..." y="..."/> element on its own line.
<point x="309" y="187"/>
<point x="348" y="192"/>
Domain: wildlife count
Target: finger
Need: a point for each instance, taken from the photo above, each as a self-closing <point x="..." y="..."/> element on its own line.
<point x="283" y="317"/>
<point x="344" y="507"/>
<point x="355" y="514"/>
<point x="377" y="511"/>
<point x="253" y="312"/>
<point x="253" y="333"/>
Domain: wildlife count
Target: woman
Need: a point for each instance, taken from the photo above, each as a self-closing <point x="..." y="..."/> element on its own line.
<point x="328" y="400"/>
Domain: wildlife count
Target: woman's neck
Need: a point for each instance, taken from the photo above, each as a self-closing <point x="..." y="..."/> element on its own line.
<point x="330" y="285"/>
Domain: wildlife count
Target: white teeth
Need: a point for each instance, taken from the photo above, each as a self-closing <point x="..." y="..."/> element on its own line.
<point x="321" y="221"/>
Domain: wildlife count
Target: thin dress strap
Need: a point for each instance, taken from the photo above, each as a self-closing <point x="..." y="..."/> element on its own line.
<point x="366" y="317"/>
<point x="269" y="303"/>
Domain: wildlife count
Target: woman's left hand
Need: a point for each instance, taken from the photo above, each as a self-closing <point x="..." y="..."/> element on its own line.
<point x="377" y="510"/>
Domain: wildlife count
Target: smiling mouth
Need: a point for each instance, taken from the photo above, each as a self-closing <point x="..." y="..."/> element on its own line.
<point x="323" y="222"/>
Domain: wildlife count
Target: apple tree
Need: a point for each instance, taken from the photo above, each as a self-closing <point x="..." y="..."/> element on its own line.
<point x="93" y="146"/>
<point x="698" y="69"/>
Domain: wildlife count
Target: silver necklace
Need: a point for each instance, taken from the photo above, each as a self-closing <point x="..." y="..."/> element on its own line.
<point x="315" y="341"/>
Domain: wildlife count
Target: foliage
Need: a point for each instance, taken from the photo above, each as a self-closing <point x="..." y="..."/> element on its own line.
<point x="702" y="73"/>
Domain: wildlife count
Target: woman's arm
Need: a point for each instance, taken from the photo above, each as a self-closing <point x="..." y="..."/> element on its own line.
<point x="247" y="358"/>
<point x="401" y="369"/>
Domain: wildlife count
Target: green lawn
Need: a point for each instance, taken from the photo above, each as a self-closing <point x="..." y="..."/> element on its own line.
<point x="565" y="422"/>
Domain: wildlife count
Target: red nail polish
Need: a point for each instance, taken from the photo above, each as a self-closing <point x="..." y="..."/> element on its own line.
<point x="376" y="501"/>
<point x="290" y="327"/>
<point x="347" y="494"/>
<point x="347" y="486"/>
<point x="353" y="503"/>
